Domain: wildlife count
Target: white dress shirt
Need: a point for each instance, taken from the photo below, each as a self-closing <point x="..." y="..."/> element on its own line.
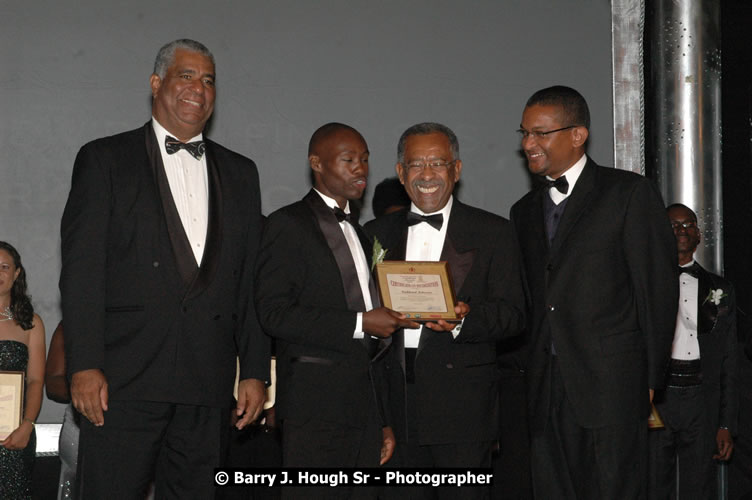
<point x="361" y="264"/>
<point x="189" y="186"/>
<point x="685" y="346"/>
<point x="572" y="174"/>
<point x="424" y="243"/>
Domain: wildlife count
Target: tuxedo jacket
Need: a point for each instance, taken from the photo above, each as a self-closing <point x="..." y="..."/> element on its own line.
<point x="604" y="293"/>
<point x="456" y="379"/>
<point x="136" y="304"/>
<point x="716" y="334"/>
<point x="304" y="303"/>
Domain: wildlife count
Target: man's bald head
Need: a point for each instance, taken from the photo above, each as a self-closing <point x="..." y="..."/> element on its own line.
<point x="326" y="132"/>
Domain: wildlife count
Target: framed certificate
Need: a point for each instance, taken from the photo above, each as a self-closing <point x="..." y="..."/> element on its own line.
<point x="11" y="402"/>
<point x="422" y="291"/>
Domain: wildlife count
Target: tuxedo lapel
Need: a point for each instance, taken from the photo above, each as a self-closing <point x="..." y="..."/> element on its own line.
<point x="400" y="249"/>
<point x="576" y="204"/>
<point x="532" y="219"/>
<point x="459" y="264"/>
<point x="707" y="312"/>
<point x="459" y="250"/>
<point x="213" y="245"/>
<point x="457" y="254"/>
<point x="181" y="248"/>
<point x="337" y="243"/>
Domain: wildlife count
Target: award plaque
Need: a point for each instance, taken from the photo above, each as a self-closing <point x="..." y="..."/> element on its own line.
<point x="654" y="420"/>
<point x="11" y="401"/>
<point x="422" y="291"/>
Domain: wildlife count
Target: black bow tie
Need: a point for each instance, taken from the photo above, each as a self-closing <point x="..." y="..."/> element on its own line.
<point x="435" y="220"/>
<point x="341" y="215"/>
<point x="693" y="270"/>
<point x="196" y="148"/>
<point x="561" y="184"/>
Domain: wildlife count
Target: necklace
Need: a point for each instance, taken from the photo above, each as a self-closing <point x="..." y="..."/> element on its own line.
<point x="6" y="314"/>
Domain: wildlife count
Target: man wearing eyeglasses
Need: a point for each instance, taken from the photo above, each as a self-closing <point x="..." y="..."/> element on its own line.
<point x="443" y="382"/>
<point x="700" y="404"/>
<point x="600" y="264"/>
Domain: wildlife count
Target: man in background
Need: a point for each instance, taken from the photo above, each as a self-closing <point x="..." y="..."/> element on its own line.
<point x="700" y="404"/>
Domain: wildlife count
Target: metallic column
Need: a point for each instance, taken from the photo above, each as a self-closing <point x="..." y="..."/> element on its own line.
<point x="627" y="26"/>
<point x="686" y="64"/>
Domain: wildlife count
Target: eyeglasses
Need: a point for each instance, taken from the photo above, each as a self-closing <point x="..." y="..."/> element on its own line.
<point x="686" y="225"/>
<point x="435" y="165"/>
<point x="537" y="134"/>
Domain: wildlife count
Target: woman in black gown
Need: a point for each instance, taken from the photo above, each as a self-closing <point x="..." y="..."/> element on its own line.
<point x="22" y="348"/>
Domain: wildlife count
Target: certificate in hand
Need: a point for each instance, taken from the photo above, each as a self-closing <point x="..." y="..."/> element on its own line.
<point x="422" y="291"/>
<point x="11" y="401"/>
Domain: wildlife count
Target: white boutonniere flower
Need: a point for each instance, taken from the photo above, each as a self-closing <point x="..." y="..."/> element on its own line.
<point x="379" y="253"/>
<point x="715" y="296"/>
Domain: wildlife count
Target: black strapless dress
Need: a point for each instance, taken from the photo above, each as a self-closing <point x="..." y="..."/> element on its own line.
<point x="16" y="465"/>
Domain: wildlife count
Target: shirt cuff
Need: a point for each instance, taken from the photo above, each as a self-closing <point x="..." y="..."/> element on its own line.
<point x="456" y="329"/>
<point x="358" y="333"/>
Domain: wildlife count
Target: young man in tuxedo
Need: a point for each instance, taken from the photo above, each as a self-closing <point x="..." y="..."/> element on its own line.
<point x="315" y="295"/>
<point x="443" y="379"/>
<point x="159" y="238"/>
<point x="600" y="264"/>
<point x="700" y="404"/>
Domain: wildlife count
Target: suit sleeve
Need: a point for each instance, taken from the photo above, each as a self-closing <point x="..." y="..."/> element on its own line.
<point x="650" y="249"/>
<point x="501" y="313"/>
<point x="254" y="346"/>
<point x="84" y="229"/>
<point x="729" y="402"/>
<point x="286" y="271"/>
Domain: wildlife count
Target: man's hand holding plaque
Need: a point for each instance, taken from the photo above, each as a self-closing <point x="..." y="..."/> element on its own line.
<point x="382" y="322"/>
<point x="421" y="291"/>
<point x="461" y="309"/>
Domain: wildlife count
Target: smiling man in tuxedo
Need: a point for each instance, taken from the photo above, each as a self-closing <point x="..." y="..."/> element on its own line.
<point x="600" y="264"/>
<point x="315" y="295"/>
<point x="159" y="238"/>
<point x="443" y="379"/>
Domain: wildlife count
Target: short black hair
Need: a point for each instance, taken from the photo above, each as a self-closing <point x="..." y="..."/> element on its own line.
<point x="325" y="131"/>
<point x="389" y="193"/>
<point x="681" y="205"/>
<point x="575" y="107"/>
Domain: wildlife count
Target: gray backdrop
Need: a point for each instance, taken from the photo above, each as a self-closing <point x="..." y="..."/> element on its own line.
<point x="75" y="71"/>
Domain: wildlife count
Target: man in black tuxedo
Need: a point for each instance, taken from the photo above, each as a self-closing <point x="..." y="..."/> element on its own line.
<point x="700" y="404"/>
<point x="315" y="296"/>
<point x="159" y="238"/>
<point x="443" y="378"/>
<point x="601" y="273"/>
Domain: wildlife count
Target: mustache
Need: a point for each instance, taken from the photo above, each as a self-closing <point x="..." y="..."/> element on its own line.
<point x="428" y="184"/>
